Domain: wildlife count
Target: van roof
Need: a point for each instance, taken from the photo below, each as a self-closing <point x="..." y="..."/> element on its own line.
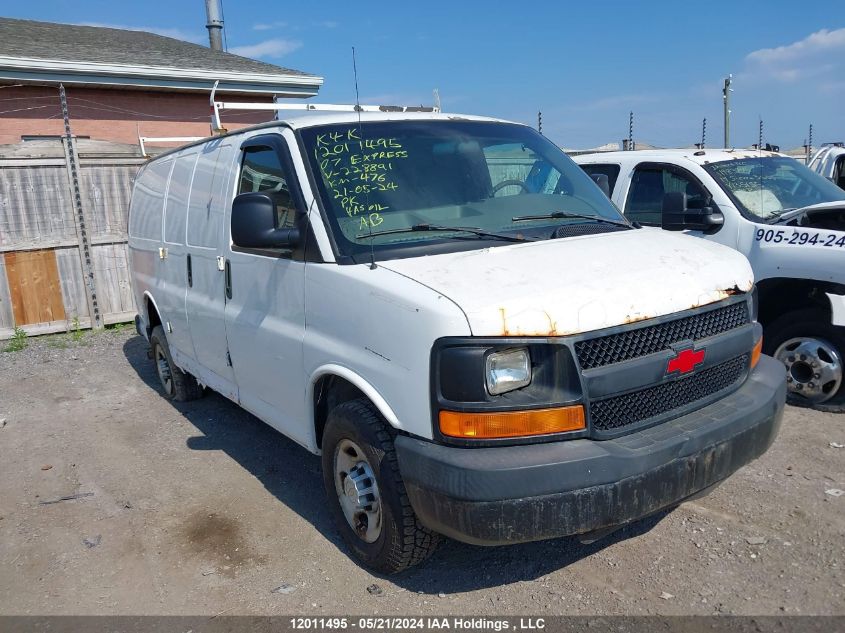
<point x="311" y="119"/>
<point x="308" y="119"/>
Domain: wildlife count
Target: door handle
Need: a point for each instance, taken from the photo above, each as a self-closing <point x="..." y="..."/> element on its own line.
<point x="190" y="272"/>
<point x="228" y="275"/>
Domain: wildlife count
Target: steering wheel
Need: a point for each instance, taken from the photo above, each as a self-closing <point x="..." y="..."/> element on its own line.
<point x="509" y="183"/>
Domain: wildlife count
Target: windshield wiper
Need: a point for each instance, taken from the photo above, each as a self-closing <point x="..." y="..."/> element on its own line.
<point x="437" y="227"/>
<point x="554" y="215"/>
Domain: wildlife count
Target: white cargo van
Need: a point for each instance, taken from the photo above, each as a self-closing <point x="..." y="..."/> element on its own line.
<point x="452" y="313"/>
<point x="787" y="220"/>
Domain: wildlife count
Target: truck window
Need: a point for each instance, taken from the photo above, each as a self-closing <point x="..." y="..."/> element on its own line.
<point x="611" y="171"/>
<point x="648" y="187"/>
<point x="262" y="171"/>
<point x="768" y="186"/>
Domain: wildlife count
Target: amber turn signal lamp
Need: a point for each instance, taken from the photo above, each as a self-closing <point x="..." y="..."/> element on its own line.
<point x="502" y="424"/>
<point x="755" y="353"/>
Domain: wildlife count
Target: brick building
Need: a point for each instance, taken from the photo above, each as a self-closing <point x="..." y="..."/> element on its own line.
<point x="123" y="84"/>
<point x="64" y="202"/>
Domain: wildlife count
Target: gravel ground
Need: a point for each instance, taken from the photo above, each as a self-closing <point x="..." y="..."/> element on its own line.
<point x="202" y="509"/>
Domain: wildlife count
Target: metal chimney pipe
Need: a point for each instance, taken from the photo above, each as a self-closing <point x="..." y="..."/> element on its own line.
<point x="214" y="25"/>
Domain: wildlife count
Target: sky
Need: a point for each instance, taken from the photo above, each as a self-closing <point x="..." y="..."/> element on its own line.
<point x="584" y="65"/>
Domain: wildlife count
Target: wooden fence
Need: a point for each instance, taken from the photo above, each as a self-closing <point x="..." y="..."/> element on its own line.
<point x="42" y="285"/>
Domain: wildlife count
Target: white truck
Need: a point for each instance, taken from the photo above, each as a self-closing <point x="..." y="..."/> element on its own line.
<point x="829" y="161"/>
<point x="788" y="221"/>
<point x="457" y="319"/>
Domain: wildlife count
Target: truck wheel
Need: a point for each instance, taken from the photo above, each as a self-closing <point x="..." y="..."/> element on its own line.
<point x="366" y="494"/>
<point x="813" y="351"/>
<point x="176" y="384"/>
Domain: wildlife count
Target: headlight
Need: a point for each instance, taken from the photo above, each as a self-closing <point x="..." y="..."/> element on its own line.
<point x="506" y="371"/>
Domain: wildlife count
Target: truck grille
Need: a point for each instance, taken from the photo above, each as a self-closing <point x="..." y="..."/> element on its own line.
<point x="616" y="412"/>
<point x="642" y="341"/>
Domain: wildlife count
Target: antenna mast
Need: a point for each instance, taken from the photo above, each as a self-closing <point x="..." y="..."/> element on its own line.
<point x="361" y="142"/>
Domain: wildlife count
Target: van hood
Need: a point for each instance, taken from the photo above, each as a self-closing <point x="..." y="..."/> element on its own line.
<point x="579" y="284"/>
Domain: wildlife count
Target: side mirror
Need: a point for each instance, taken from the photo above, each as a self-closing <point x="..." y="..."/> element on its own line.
<point x="254" y="223"/>
<point x="603" y="182"/>
<point x="677" y="216"/>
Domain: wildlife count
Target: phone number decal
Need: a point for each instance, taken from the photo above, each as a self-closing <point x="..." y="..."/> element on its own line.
<point x="799" y="238"/>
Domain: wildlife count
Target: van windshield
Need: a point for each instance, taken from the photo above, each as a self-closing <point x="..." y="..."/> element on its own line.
<point x="769" y="186"/>
<point x="380" y="181"/>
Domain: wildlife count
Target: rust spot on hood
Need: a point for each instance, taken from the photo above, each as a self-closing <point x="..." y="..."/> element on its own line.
<point x="552" y="324"/>
<point x="633" y="318"/>
<point x="504" y="322"/>
<point x="520" y="331"/>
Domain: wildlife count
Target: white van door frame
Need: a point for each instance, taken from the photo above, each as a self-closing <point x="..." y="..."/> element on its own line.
<point x="265" y="306"/>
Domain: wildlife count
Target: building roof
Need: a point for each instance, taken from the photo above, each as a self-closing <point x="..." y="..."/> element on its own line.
<point x="47" y="52"/>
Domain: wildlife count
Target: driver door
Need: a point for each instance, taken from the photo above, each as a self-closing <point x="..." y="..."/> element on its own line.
<point x="265" y="297"/>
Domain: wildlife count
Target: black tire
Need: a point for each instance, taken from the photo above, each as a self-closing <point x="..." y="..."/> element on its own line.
<point x="182" y="386"/>
<point x="403" y="540"/>
<point x="815" y="323"/>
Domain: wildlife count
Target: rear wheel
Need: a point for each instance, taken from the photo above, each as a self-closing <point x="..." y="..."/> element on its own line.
<point x="176" y="384"/>
<point x="366" y="494"/>
<point x="813" y="350"/>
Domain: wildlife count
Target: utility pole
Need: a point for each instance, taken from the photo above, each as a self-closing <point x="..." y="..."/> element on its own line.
<point x="810" y="144"/>
<point x="703" y="132"/>
<point x="540" y="121"/>
<point x="726" y="98"/>
<point x="631" y="130"/>
<point x="760" y="136"/>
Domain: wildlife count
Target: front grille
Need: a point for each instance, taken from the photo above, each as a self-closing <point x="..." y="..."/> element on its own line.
<point x="642" y="341"/>
<point x="630" y="408"/>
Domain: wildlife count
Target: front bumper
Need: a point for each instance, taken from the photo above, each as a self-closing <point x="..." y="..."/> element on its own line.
<point x="492" y="496"/>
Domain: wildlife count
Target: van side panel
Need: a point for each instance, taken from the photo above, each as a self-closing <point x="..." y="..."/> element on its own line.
<point x="211" y="193"/>
<point x="146" y="212"/>
<point x="173" y="273"/>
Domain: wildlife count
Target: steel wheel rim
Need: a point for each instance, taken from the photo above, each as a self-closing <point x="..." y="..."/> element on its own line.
<point x="165" y="374"/>
<point x="813" y="368"/>
<point x="357" y="490"/>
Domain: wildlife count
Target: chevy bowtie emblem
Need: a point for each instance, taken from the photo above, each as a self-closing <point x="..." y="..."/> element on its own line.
<point x="685" y="362"/>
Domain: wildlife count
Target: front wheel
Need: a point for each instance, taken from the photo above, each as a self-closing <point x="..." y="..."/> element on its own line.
<point x="176" y="384"/>
<point x="365" y="491"/>
<point x="813" y="350"/>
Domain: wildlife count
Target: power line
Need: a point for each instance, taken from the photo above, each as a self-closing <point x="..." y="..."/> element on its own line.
<point x="26" y="109"/>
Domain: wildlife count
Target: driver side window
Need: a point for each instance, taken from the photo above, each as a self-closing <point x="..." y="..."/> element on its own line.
<point x="648" y="187"/>
<point x="262" y="171"/>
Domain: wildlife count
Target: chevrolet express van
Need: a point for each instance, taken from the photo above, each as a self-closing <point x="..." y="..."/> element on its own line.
<point x="454" y="316"/>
